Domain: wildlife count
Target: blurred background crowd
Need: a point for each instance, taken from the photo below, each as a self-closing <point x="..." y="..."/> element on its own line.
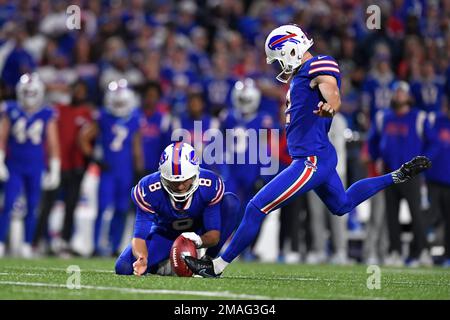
<point x="183" y="58"/>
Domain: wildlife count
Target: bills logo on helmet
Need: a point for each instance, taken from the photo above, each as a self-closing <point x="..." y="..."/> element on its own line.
<point x="277" y="42"/>
<point x="163" y="158"/>
<point x="193" y="158"/>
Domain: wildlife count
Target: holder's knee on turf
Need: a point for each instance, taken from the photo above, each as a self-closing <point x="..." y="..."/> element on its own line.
<point x="123" y="267"/>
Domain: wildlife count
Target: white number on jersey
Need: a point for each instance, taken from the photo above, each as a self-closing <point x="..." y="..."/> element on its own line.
<point x="205" y="182"/>
<point x="155" y="186"/>
<point x="120" y="134"/>
<point x="34" y="131"/>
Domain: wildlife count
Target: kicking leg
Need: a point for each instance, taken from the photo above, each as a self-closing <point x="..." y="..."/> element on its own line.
<point x="340" y="201"/>
<point x="298" y="178"/>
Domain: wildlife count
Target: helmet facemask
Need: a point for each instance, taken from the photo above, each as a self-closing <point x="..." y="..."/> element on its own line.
<point x="30" y="92"/>
<point x="119" y="99"/>
<point x="171" y="187"/>
<point x="246" y="97"/>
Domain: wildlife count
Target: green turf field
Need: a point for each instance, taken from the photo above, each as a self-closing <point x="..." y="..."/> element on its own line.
<point x="47" y="279"/>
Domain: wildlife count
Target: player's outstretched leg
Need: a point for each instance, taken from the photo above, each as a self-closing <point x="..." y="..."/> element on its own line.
<point x="341" y="201"/>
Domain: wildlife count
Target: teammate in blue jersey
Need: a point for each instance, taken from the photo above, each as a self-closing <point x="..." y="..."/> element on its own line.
<point x="429" y="90"/>
<point x="398" y="134"/>
<point x="312" y="101"/>
<point x="377" y="88"/>
<point x="179" y="199"/>
<point x="28" y="144"/>
<point x="191" y="125"/>
<point x="243" y="175"/>
<point x="438" y="178"/>
<point x="154" y="127"/>
<point x="118" y="151"/>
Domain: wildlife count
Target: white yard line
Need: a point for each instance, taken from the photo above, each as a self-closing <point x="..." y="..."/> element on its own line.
<point x="217" y="294"/>
<point x="62" y="269"/>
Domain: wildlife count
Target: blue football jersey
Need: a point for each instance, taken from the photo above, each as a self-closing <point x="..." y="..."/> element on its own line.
<point x="428" y="95"/>
<point x="115" y="138"/>
<point x="171" y="218"/>
<point x="218" y="92"/>
<point x="27" y="137"/>
<point x="440" y="123"/>
<point x="242" y="148"/>
<point x="307" y="133"/>
<point x="196" y="138"/>
<point x="155" y="134"/>
<point x="377" y="93"/>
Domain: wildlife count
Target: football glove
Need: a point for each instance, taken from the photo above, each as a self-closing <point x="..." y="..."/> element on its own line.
<point x="194" y="238"/>
<point x="52" y="178"/>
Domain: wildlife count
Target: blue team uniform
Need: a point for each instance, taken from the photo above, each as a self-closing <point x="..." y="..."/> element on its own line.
<point x="115" y="141"/>
<point x="428" y="95"/>
<point x="186" y="122"/>
<point x="314" y="160"/>
<point x="378" y="93"/>
<point x="26" y="161"/>
<point x="218" y="92"/>
<point x="439" y="172"/>
<point x="160" y="220"/>
<point x="155" y="135"/>
<point x="240" y="177"/>
<point x="389" y="132"/>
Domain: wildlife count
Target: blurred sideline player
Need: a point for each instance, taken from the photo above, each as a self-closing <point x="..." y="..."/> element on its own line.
<point x="439" y="183"/>
<point x="315" y="82"/>
<point x="397" y="134"/>
<point x="193" y="118"/>
<point x="154" y="127"/>
<point x="180" y="199"/>
<point x="118" y="151"/>
<point x="244" y="179"/>
<point x="71" y="119"/>
<point x="28" y="132"/>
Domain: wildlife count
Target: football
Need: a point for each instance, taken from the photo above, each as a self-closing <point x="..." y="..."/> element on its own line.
<point x="180" y="248"/>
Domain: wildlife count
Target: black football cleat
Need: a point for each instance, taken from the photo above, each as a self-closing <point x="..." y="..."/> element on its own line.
<point x="203" y="267"/>
<point x="411" y="169"/>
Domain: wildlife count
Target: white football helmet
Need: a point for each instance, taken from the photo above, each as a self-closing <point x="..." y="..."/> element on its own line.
<point x="119" y="99"/>
<point x="246" y="96"/>
<point x="287" y="44"/>
<point x="30" y="91"/>
<point x="178" y="163"/>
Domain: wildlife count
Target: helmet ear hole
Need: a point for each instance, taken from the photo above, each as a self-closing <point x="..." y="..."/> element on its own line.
<point x="292" y="52"/>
